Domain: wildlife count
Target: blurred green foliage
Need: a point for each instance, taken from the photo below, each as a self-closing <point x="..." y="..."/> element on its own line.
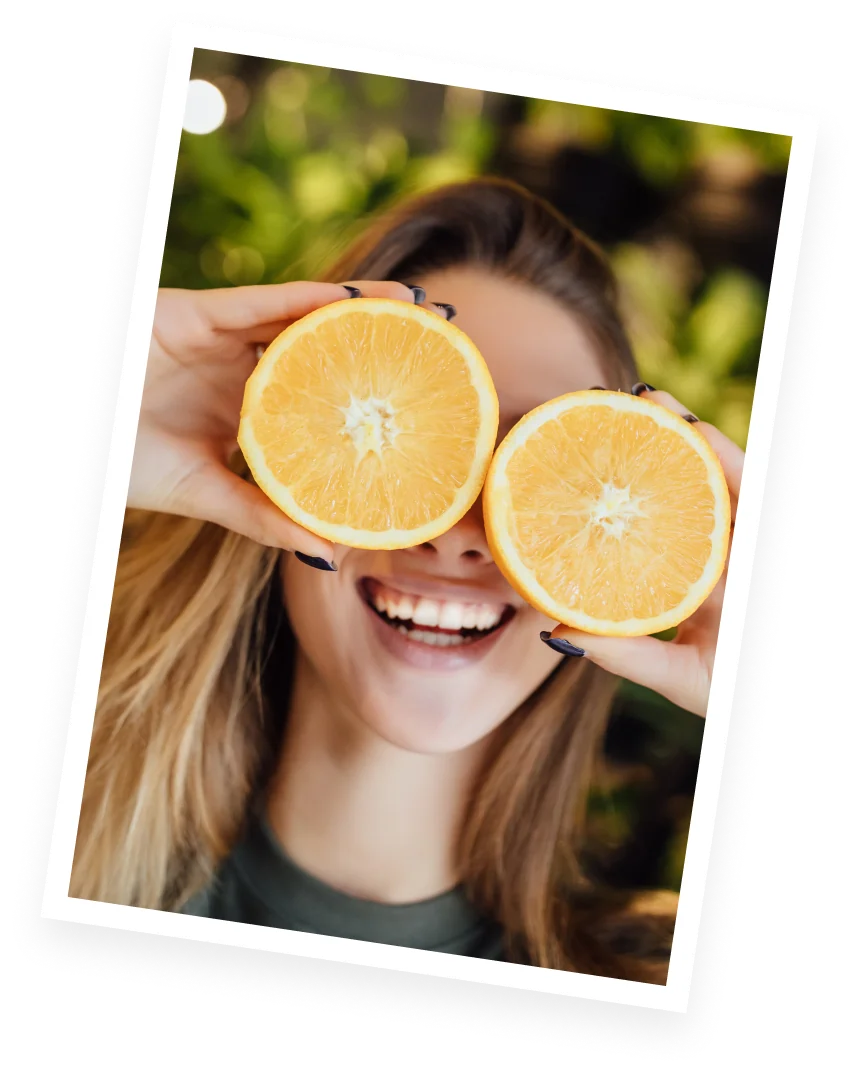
<point x="306" y="154"/>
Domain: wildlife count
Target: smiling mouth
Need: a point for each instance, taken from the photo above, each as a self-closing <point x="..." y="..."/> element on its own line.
<point x="439" y="623"/>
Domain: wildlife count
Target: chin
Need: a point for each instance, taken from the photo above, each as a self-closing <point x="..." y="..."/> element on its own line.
<point x="433" y="721"/>
<point x="430" y="664"/>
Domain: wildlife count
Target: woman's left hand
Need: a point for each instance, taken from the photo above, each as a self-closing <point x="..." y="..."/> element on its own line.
<point x="679" y="669"/>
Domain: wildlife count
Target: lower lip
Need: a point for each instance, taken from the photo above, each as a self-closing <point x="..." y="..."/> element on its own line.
<point x="432" y="657"/>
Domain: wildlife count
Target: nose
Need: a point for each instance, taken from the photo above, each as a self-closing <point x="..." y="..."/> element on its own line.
<point x="466" y="542"/>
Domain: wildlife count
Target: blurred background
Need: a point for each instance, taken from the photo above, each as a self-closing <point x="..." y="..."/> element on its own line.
<point x="280" y="165"/>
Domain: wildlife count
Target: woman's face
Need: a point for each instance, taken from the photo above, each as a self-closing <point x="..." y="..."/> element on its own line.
<point x="409" y="688"/>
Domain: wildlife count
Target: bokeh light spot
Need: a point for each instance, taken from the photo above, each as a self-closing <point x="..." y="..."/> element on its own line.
<point x="205" y="107"/>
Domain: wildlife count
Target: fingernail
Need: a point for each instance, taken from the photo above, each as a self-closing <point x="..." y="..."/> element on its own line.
<point x="641" y="387"/>
<point x="353" y="291"/>
<point x="316" y="561"/>
<point x="560" y="645"/>
<point x="597" y="388"/>
<point x="691" y="418"/>
<point x="449" y="310"/>
<point x="419" y="292"/>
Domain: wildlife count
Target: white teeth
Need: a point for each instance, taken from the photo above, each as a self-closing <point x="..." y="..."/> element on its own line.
<point x="488" y="616"/>
<point x="426" y="613"/>
<point x="394" y="606"/>
<point x="444" y="615"/>
<point x="431" y="637"/>
<point x="451" y="616"/>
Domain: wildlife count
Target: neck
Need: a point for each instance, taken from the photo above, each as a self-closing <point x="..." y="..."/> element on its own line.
<point x="365" y="816"/>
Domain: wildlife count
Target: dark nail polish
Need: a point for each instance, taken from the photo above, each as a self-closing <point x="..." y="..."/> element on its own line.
<point x="316" y="561"/>
<point x="598" y="388"/>
<point x="353" y="291"/>
<point x="691" y="418"/>
<point x="449" y="310"/>
<point x="641" y="387"/>
<point x="560" y="645"/>
<point x="419" y="292"/>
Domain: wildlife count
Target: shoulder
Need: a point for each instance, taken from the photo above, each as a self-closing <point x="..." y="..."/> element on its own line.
<point x="204" y="896"/>
<point x="199" y="905"/>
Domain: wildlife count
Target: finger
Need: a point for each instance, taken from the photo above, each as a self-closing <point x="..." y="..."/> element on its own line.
<point x="263" y="333"/>
<point x="707" y="616"/>
<point x="666" y="400"/>
<point x="670" y="670"/>
<point x="403" y="292"/>
<point x="215" y="494"/>
<point x="730" y="455"/>
<point x="445" y="309"/>
<point x="236" y="309"/>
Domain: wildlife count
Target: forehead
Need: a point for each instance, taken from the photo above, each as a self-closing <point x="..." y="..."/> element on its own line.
<point x="534" y="347"/>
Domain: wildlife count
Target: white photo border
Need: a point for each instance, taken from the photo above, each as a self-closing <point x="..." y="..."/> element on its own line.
<point x="56" y="902"/>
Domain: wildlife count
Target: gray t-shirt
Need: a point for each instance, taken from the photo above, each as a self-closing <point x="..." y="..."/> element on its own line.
<point x="259" y="885"/>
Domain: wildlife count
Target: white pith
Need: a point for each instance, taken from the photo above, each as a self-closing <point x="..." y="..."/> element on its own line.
<point x="615" y="509"/>
<point x="370" y="424"/>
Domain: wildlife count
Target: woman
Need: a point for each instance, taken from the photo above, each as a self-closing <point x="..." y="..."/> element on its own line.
<point x="267" y="748"/>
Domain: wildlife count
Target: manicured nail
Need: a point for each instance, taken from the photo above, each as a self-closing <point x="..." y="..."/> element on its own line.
<point x="316" y="561"/>
<point x="560" y="645"/>
<point x="641" y="387"/>
<point x="419" y="292"/>
<point x="449" y="310"/>
<point x="691" y="418"/>
<point x="353" y="291"/>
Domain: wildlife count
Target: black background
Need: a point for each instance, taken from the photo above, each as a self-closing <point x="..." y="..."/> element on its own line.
<point x="783" y="951"/>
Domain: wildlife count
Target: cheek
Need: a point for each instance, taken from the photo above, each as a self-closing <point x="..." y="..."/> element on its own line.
<point x="311" y="598"/>
<point x="521" y="664"/>
<point x="327" y="618"/>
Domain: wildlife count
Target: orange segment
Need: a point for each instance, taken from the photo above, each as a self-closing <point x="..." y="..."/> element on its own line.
<point x="371" y="423"/>
<point x="609" y="513"/>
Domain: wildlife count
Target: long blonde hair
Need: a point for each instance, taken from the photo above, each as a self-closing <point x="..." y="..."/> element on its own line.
<point x="186" y="727"/>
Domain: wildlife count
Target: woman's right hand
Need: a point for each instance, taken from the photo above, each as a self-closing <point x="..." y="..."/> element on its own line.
<point x="204" y="348"/>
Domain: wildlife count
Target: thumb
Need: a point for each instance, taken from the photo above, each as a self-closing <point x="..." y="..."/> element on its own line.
<point x="645" y="661"/>
<point x="216" y="494"/>
<point x="670" y="670"/>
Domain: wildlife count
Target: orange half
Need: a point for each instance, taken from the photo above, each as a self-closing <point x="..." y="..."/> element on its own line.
<point x="608" y="513"/>
<point x="371" y="422"/>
